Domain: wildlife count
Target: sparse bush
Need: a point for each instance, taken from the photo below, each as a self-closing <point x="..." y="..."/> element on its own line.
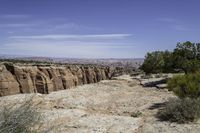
<point x="186" y="85"/>
<point x="19" y="118"/>
<point x="136" y="114"/>
<point x="180" y="110"/>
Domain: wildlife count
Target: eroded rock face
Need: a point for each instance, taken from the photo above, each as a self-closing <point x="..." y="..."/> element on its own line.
<point x="45" y="79"/>
<point x="8" y="84"/>
<point x="23" y="76"/>
<point x="68" y="79"/>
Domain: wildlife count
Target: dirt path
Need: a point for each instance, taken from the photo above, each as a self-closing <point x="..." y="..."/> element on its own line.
<point x="114" y="106"/>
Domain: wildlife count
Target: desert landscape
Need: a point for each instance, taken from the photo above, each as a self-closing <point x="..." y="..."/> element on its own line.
<point x="99" y="66"/>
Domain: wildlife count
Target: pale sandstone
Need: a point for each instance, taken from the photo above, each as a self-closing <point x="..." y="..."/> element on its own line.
<point x="45" y="79"/>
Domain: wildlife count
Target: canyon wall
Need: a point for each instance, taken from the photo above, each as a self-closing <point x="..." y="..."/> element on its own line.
<point x="15" y="79"/>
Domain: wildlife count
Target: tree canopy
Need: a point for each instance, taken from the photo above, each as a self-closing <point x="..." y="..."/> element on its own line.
<point x="185" y="57"/>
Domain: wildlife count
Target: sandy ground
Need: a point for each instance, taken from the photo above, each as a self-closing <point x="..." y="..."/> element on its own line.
<point x="110" y="106"/>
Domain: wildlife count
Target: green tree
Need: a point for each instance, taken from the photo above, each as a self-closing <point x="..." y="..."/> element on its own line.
<point x="157" y="62"/>
<point x="168" y="62"/>
<point x="187" y="56"/>
<point x="153" y="62"/>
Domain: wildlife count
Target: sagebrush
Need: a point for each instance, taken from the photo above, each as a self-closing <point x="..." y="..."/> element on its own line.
<point x="186" y="85"/>
<point x="180" y="110"/>
<point x="21" y="118"/>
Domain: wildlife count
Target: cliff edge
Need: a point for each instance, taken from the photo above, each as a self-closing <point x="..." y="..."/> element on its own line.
<point x="15" y="79"/>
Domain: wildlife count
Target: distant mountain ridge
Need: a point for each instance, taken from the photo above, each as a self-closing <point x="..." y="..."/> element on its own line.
<point x="116" y="62"/>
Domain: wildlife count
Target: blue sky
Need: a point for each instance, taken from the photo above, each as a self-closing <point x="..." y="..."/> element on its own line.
<point x="96" y="28"/>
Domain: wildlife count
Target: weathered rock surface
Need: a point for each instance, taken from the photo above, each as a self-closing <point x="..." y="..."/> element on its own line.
<point x="159" y="82"/>
<point x="8" y="84"/>
<point x="44" y="79"/>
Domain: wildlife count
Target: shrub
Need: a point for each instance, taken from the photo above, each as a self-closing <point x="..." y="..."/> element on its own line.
<point x="180" y="110"/>
<point x="136" y="114"/>
<point x="19" y="118"/>
<point x="186" y="85"/>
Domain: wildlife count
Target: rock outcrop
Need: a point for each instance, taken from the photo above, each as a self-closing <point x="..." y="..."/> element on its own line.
<point x="16" y="79"/>
<point x="155" y="80"/>
<point x="8" y="83"/>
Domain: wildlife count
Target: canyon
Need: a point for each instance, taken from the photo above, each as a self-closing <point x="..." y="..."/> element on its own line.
<point x="26" y="78"/>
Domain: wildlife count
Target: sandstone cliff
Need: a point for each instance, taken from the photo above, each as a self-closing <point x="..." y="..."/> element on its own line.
<point x="16" y="79"/>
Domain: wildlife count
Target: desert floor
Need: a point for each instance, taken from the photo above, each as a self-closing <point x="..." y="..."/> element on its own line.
<point x="121" y="105"/>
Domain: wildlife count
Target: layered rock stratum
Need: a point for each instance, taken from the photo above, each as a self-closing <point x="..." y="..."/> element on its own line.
<point x="15" y="79"/>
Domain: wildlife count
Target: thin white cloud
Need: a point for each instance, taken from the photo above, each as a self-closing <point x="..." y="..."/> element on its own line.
<point x="92" y="36"/>
<point x="16" y="25"/>
<point x="71" y="25"/>
<point x="27" y="23"/>
<point x="65" y="48"/>
<point x="46" y="39"/>
<point x="69" y="44"/>
<point x="14" y="16"/>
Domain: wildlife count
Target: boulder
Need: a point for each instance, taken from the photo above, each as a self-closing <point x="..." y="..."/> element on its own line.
<point x="154" y="82"/>
<point x="161" y="86"/>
